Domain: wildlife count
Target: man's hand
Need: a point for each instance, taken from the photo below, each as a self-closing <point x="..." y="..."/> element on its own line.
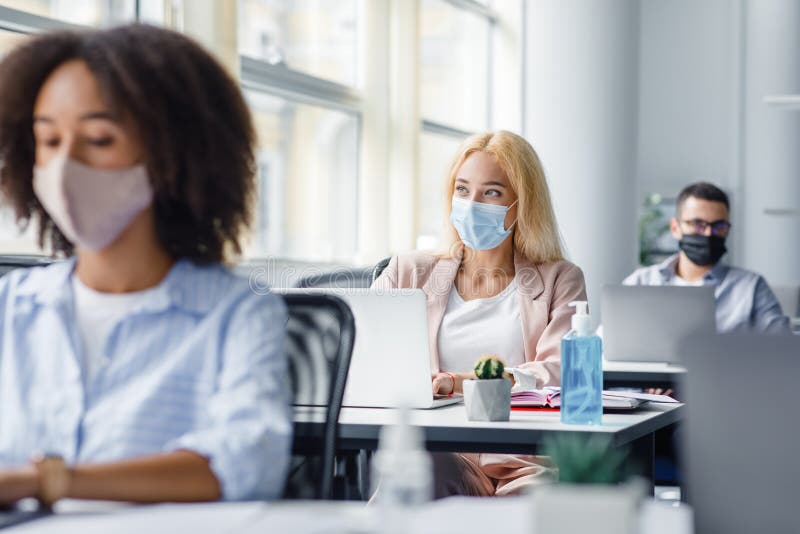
<point x="659" y="391"/>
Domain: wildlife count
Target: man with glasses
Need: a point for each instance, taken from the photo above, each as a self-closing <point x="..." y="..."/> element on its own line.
<point x="701" y="225"/>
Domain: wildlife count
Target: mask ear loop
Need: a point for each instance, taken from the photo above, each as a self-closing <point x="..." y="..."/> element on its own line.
<point x="510" y="226"/>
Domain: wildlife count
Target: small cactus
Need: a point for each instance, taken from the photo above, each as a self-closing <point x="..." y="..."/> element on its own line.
<point x="489" y="367"/>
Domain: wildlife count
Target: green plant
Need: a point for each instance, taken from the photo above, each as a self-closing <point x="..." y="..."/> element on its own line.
<point x="585" y="459"/>
<point x="651" y="227"/>
<point x="489" y="367"/>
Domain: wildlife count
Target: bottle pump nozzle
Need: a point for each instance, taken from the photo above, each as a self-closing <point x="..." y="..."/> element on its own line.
<point x="581" y="321"/>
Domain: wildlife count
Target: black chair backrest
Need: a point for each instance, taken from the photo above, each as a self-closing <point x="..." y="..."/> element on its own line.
<point x="379" y="268"/>
<point x="338" y="279"/>
<point x="320" y="337"/>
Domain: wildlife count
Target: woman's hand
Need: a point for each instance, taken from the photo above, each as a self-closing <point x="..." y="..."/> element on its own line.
<point x="19" y="483"/>
<point x="443" y="384"/>
<point x="449" y="383"/>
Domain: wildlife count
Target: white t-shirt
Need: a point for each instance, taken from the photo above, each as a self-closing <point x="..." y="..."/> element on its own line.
<point x="471" y="329"/>
<point x="678" y="281"/>
<point x="97" y="313"/>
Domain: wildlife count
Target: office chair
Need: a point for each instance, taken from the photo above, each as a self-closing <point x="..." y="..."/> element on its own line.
<point x="789" y="297"/>
<point x="9" y="262"/>
<point x="379" y="268"/>
<point x="338" y="279"/>
<point x="320" y="337"/>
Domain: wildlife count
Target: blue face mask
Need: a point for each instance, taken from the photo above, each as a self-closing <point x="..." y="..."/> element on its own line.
<point x="480" y="226"/>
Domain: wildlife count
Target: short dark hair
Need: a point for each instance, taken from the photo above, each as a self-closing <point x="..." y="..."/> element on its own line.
<point x="191" y="118"/>
<point x="703" y="191"/>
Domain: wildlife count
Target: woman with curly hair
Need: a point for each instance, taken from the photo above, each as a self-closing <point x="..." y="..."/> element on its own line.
<point x="138" y="368"/>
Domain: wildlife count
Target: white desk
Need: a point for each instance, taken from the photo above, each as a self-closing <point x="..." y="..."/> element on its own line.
<point x="458" y="515"/>
<point x="447" y="429"/>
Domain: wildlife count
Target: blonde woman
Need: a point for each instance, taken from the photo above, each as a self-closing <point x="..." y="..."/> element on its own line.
<point x="503" y="287"/>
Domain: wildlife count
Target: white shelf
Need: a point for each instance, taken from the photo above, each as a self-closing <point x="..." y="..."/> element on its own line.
<point x="783" y="101"/>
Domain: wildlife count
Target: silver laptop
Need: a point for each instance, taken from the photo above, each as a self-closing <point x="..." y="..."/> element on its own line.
<point x="647" y="323"/>
<point x="741" y="433"/>
<point x="390" y="365"/>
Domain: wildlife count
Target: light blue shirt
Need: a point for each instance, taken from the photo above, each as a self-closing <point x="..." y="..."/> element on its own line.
<point x="201" y="366"/>
<point x="743" y="298"/>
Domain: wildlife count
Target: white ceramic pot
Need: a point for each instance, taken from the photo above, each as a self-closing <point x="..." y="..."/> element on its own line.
<point x="595" y="508"/>
<point x="488" y="400"/>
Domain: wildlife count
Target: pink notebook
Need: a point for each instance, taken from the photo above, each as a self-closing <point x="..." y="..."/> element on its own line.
<point x="536" y="398"/>
<point x="612" y="400"/>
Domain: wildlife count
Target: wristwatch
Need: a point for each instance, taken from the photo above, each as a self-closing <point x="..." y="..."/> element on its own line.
<point x="54" y="478"/>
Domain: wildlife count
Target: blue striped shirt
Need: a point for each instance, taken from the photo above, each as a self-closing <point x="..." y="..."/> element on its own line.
<point x="201" y="366"/>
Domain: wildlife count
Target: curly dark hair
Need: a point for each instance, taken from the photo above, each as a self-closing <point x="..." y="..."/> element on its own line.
<point x="190" y="115"/>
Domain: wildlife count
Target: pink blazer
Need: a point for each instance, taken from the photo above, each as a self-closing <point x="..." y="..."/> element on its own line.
<point x="545" y="290"/>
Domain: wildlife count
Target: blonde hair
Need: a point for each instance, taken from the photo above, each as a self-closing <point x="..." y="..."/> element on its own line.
<point x="536" y="234"/>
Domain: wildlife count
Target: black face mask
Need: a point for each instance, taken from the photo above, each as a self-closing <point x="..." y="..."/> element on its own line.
<point x="703" y="250"/>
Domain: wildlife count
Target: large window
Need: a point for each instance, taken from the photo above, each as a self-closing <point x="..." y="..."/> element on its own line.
<point x="300" y="63"/>
<point x="308" y="177"/>
<point x="359" y="107"/>
<point x="454" y="65"/>
<point x="82" y="12"/>
<point x="317" y="37"/>
<point x="436" y="152"/>
<point x="12" y="240"/>
<point x="455" y="89"/>
<point x="299" y="68"/>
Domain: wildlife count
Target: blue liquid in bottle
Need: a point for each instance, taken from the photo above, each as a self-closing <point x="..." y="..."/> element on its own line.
<point x="581" y="379"/>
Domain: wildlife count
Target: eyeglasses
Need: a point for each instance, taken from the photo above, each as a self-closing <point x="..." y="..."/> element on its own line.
<point x="718" y="228"/>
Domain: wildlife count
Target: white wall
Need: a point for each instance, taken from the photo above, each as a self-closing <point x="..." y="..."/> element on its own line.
<point x="581" y="91"/>
<point x="688" y="100"/>
<point x="772" y="140"/>
<point x="626" y="98"/>
<point x="704" y="68"/>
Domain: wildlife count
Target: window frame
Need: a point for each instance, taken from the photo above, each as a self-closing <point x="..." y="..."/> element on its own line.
<point x="258" y="75"/>
<point x="17" y="21"/>
<point x="491" y="17"/>
<point x="282" y="81"/>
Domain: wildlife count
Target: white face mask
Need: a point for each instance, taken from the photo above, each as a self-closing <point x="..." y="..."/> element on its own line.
<point x="91" y="206"/>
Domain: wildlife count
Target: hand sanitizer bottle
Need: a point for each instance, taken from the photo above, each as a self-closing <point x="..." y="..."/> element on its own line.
<point x="581" y="371"/>
<point x="402" y="473"/>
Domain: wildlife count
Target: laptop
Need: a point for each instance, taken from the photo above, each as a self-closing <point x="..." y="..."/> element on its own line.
<point x="647" y="323"/>
<point x="741" y="433"/>
<point x="390" y="365"/>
